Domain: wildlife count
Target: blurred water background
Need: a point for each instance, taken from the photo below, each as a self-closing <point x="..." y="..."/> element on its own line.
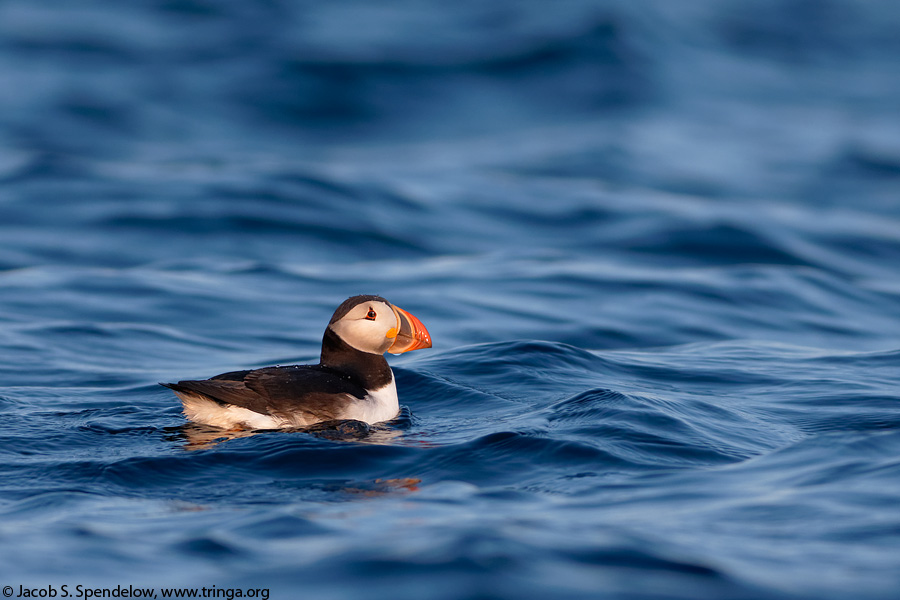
<point x="657" y="246"/>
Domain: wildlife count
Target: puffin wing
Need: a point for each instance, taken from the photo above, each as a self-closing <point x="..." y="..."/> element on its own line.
<point x="228" y="388"/>
<point x="282" y="391"/>
<point x="313" y="390"/>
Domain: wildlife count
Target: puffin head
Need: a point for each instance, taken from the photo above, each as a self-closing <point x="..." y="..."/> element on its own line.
<point x="372" y="324"/>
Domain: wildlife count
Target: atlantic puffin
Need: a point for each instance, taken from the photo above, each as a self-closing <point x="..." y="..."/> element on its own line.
<point x="352" y="380"/>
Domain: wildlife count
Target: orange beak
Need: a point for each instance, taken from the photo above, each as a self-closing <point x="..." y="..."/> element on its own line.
<point x="411" y="334"/>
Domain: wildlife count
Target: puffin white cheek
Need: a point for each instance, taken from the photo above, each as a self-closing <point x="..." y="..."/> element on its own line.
<point x="362" y="335"/>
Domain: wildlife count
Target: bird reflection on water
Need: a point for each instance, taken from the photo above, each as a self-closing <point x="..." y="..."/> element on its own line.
<point x="196" y="436"/>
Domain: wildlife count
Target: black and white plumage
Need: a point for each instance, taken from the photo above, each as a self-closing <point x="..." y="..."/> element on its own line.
<point x="352" y="380"/>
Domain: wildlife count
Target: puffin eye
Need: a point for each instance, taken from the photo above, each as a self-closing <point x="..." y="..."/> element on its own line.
<point x="371" y="315"/>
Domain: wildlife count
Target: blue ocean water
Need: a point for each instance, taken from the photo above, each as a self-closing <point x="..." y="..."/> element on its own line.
<point x="656" y="244"/>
